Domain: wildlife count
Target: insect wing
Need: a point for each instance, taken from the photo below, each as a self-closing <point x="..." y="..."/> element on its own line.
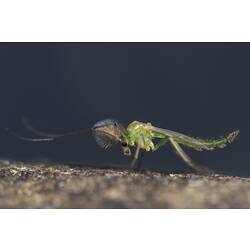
<point x="183" y="139"/>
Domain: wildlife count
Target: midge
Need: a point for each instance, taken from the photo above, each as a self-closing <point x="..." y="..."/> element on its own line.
<point x="143" y="136"/>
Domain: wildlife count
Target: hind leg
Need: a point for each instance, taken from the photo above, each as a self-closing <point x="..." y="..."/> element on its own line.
<point x="197" y="166"/>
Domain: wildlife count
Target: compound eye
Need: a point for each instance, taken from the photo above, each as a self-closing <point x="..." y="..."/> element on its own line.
<point x="124" y="144"/>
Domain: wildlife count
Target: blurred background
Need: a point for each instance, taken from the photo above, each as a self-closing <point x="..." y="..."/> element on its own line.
<point x="200" y="89"/>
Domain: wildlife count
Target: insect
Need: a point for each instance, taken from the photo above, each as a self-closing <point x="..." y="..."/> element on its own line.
<point x="144" y="136"/>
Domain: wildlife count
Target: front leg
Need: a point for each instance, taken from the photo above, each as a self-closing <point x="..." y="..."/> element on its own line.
<point x="137" y="160"/>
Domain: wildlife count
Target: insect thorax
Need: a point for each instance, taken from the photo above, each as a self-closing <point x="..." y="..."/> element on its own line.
<point x="140" y="134"/>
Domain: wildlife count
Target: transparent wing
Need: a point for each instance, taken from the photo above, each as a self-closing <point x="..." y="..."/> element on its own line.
<point x="197" y="144"/>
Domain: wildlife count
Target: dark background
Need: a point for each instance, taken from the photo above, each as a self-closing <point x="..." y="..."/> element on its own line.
<point x="201" y="89"/>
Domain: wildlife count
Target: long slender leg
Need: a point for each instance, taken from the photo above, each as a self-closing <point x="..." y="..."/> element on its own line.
<point x="140" y="158"/>
<point x="136" y="159"/>
<point x="198" y="167"/>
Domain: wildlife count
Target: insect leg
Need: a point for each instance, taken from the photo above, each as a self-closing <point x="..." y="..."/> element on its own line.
<point x="135" y="161"/>
<point x="198" y="167"/>
<point x="27" y="138"/>
<point x="28" y="125"/>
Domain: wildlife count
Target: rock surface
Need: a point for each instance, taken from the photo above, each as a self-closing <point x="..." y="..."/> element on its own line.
<point x="39" y="185"/>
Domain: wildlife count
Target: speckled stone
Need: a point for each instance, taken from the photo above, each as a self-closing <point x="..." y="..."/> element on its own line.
<point x="39" y="185"/>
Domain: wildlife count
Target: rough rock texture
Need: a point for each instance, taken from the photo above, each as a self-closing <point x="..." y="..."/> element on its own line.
<point x="38" y="185"/>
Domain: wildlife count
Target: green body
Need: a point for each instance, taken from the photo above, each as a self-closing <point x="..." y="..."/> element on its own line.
<point x="143" y="135"/>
